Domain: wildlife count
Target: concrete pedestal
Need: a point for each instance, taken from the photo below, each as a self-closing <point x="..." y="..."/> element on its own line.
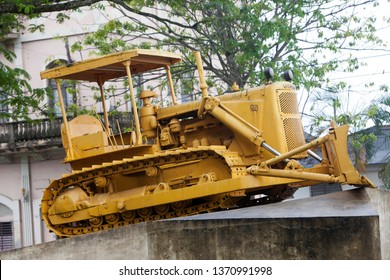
<point x="341" y="225"/>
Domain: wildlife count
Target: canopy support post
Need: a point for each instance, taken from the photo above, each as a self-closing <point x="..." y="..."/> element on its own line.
<point x="133" y="104"/>
<point x="70" y="153"/>
<point x="168" y="68"/>
<point x="100" y="83"/>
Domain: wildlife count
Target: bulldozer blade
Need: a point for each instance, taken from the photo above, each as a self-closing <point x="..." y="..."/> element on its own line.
<point x="337" y="153"/>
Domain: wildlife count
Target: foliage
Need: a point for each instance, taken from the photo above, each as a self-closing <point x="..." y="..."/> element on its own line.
<point x="16" y="92"/>
<point x="363" y="144"/>
<point x="381" y="112"/>
<point x="14" y="82"/>
<point x="384" y="175"/>
<point x="13" y="88"/>
<point x="36" y="7"/>
<point x="329" y="104"/>
<point x="238" y="39"/>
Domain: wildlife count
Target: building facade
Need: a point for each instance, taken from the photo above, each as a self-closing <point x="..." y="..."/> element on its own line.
<point x="31" y="154"/>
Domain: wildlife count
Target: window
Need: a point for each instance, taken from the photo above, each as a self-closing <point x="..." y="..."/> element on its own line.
<point x="6" y="237"/>
<point x="67" y="89"/>
<point x="3" y="107"/>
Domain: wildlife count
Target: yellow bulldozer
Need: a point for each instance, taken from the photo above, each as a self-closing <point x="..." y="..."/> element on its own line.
<point x="221" y="152"/>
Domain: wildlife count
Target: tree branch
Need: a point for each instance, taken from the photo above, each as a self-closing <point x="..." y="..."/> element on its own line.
<point x="37" y="7"/>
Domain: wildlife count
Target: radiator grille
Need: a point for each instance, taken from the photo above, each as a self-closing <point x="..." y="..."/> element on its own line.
<point x="294" y="135"/>
<point x="288" y="102"/>
<point x="292" y="122"/>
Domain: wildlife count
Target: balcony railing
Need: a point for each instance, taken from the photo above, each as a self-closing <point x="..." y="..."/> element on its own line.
<point x="47" y="131"/>
<point x="42" y="129"/>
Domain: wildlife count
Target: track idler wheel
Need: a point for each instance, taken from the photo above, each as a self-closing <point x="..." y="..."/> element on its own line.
<point x="112" y="218"/>
<point x="162" y="209"/>
<point x="128" y="215"/>
<point x="96" y="222"/>
<point x="179" y="205"/>
<point x="145" y="212"/>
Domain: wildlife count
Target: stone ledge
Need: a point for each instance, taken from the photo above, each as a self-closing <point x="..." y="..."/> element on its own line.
<point x="336" y="226"/>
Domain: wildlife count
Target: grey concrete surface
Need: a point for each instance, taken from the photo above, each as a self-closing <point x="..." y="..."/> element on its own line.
<point x="381" y="201"/>
<point x="348" y="203"/>
<point x="342" y="225"/>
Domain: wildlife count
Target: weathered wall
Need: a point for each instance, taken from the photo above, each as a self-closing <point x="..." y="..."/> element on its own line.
<point x="381" y="201"/>
<point x="343" y="225"/>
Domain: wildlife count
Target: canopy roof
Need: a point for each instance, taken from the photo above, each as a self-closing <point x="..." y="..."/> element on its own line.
<point x="111" y="66"/>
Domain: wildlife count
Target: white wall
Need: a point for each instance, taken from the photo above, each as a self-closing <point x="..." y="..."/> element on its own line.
<point x="25" y="206"/>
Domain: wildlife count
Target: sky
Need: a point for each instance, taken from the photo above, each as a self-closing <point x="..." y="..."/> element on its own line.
<point x="378" y="62"/>
<point x="376" y="71"/>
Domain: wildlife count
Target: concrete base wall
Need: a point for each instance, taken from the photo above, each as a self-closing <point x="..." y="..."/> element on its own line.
<point x="343" y="225"/>
<point x="381" y="201"/>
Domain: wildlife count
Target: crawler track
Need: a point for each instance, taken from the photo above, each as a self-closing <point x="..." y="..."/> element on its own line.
<point x="115" y="213"/>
